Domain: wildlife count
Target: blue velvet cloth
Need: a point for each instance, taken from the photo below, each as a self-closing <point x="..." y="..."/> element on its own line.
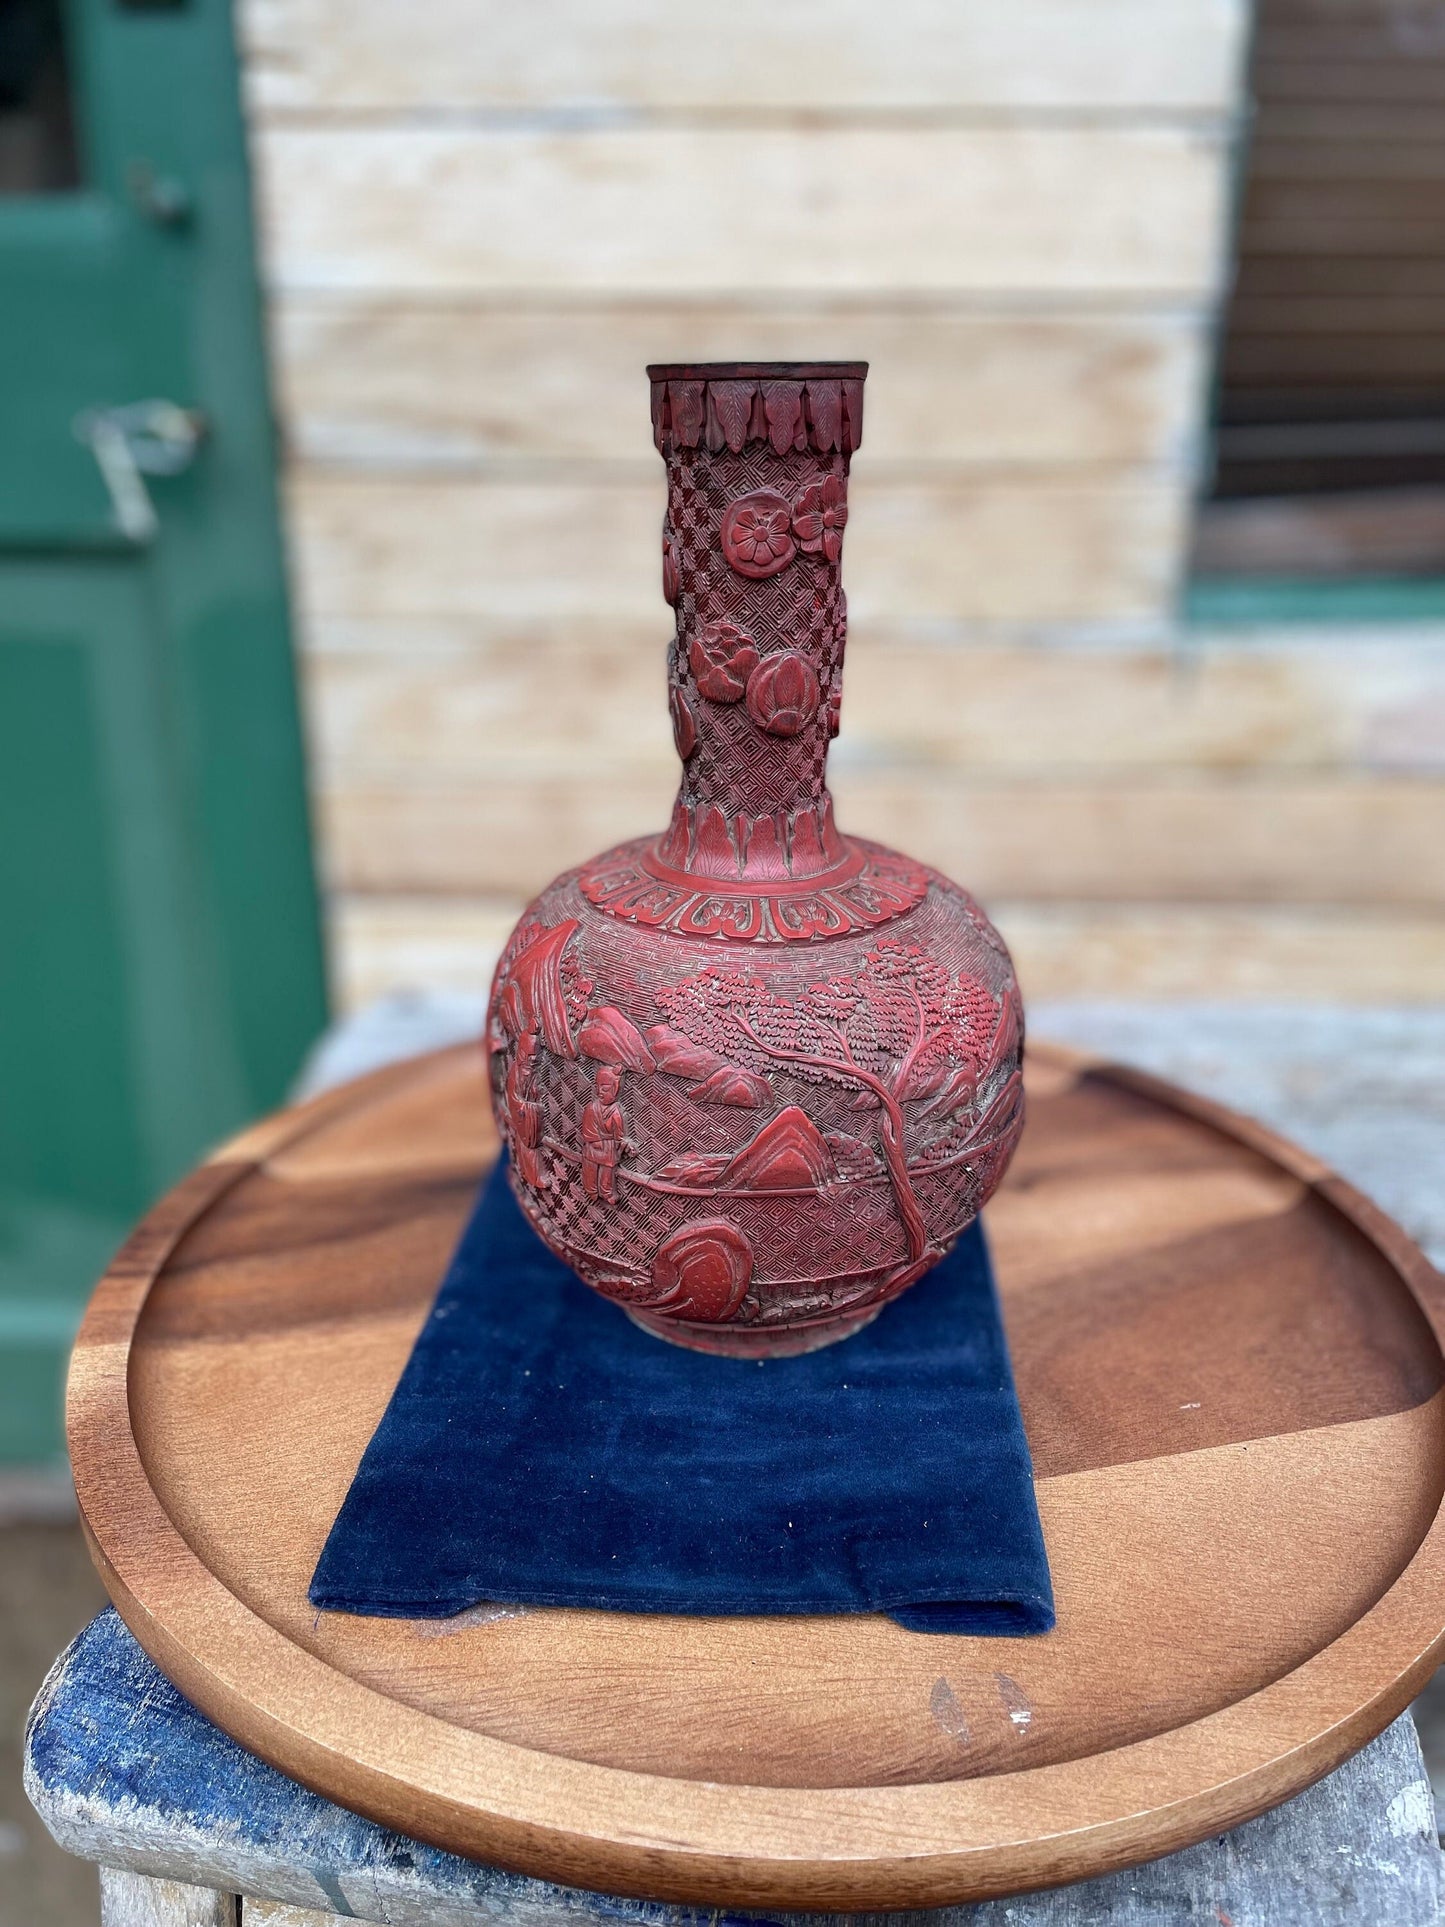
<point x="540" y="1449"/>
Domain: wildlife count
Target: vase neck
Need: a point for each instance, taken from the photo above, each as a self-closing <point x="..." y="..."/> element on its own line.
<point x="757" y="487"/>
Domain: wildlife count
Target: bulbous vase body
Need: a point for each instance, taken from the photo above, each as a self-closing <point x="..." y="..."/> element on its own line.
<point x="755" y="1076"/>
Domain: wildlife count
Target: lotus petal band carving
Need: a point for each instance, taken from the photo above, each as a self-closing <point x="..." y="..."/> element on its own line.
<point x="755" y="1075"/>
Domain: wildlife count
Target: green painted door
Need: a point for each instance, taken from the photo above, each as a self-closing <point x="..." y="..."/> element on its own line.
<point x="160" y="953"/>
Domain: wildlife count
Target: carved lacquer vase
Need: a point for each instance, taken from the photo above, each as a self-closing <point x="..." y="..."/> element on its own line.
<point x="755" y="1076"/>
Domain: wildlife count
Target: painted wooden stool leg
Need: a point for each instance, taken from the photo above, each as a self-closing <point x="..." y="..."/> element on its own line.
<point x="137" y="1900"/>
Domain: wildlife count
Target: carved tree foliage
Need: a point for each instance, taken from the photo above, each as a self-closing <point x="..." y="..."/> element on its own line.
<point x="899" y="1030"/>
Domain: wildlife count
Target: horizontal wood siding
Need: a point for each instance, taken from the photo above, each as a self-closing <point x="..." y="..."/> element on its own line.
<point x="480" y="224"/>
<point x="1185" y="841"/>
<point x="397" y="701"/>
<point x="670" y="210"/>
<point x="381" y="383"/>
<point x="849" y="58"/>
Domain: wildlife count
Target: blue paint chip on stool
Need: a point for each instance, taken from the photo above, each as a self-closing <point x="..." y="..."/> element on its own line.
<point x="122" y="1767"/>
<point x="541" y="1450"/>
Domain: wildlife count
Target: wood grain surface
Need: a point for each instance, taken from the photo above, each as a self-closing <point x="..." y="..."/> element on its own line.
<point x="1248" y="817"/>
<point x="751" y="59"/>
<point x="514" y="211"/>
<point x="371" y="381"/>
<point x="396" y="699"/>
<point x="1274" y="839"/>
<point x="133" y="1900"/>
<point x="1231" y="1373"/>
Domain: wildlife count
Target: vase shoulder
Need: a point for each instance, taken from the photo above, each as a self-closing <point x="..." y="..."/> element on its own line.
<point x="866" y="888"/>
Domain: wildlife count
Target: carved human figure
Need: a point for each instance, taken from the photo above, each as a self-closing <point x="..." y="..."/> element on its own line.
<point x="524" y="1113"/>
<point x="603" y="1136"/>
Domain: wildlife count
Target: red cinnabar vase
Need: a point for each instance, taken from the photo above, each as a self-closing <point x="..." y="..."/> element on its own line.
<point x="755" y="1076"/>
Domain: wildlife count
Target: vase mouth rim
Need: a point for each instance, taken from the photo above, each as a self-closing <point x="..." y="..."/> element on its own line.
<point x="757" y="370"/>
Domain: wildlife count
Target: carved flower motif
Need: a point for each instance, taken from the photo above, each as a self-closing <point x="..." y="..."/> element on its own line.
<point x="757" y="534"/>
<point x="671" y="582"/>
<point x="684" y="728"/>
<point x="722" y="657"/>
<point x="819" y="515"/>
<point x="702" y="1272"/>
<point x="783" y="694"/>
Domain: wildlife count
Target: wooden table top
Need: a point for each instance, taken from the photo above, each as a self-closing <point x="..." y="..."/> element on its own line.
<point x="1230" y="1368"/>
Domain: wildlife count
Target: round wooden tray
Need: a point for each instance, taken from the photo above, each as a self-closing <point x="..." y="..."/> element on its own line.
<point x="1230" y="1366"/>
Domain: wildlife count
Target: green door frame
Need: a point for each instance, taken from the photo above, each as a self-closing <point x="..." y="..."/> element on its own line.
<point x="140" y="284"/>
<point x="1219" y="600"/>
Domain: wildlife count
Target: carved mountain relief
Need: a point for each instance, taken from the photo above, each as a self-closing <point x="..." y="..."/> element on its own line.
<point x="789" y="1153"/>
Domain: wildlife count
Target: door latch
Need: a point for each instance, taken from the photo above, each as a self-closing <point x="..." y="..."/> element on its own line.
<point x="128" y="443"/>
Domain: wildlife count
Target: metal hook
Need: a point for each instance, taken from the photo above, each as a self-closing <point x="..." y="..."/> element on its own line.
<point x="139" y="439"/>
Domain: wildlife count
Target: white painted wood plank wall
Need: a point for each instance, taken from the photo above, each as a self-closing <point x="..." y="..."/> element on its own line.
<point x="751" y="57"/>
<point x="481" y="221"/>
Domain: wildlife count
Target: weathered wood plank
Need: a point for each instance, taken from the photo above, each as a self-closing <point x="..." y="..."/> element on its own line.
<point x="504" y="838"/>
<point x="1057" y="548"/>
<point x="441" y="700"/>
<point x="677" y="210"/>
<point x="751" y="57"/>
<point x="276" y="1913"/>
<point x="1308" y="841"/>
<point x="1245" y="952"/>
<point x="382" y="944"/>
<point x="137" y="1900"/>
<point x="386" y="384"/>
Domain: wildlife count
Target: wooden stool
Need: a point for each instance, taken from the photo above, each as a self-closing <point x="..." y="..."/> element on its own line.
<point x="192" y="1831"/>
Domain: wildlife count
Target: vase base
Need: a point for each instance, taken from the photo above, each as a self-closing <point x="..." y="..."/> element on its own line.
<point x="752" y="1341"/>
